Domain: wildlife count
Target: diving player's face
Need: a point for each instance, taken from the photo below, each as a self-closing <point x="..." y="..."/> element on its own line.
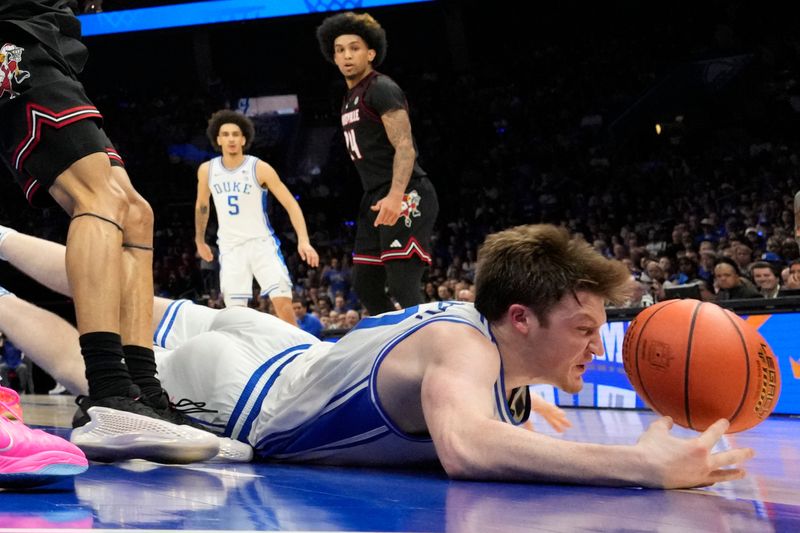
<point x="231" y="139"/>
<point x="353" y="57"/>
<point x="562" y="350"/>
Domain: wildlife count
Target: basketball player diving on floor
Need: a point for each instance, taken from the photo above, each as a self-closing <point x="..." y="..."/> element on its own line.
<point x="442" y="382"/>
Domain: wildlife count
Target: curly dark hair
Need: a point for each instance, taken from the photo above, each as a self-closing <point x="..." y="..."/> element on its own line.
<point x="349" y="23"/>
<point x="228" y="116"/>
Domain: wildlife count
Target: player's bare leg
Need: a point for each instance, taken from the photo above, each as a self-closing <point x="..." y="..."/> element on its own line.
<point x="94" y="244"/>
<point x="283" y="309"/>
<point x="136" y="310"/>
<point x="136" y="300"/>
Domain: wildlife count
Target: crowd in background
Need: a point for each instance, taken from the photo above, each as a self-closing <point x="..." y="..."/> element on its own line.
<point x="530" y="132"/>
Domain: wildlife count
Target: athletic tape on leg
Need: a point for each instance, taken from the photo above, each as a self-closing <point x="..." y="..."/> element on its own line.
<point x="137" y="246"/>
<point x="100" y="217"/>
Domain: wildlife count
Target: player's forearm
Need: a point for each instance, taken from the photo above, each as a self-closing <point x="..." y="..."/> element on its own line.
<point x="402" y="167"/>
<point x="502" y="452"/>
<point x="298" y="223"/>
<point x="201" y="214"/>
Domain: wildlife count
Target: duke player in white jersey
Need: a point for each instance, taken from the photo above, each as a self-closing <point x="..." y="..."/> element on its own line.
<point x="248" y="245"/>
<point x="442" y="382"/>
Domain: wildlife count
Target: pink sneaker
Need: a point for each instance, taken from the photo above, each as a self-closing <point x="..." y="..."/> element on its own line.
<point x="31" y="457"/>
<point x="9" y="401"/>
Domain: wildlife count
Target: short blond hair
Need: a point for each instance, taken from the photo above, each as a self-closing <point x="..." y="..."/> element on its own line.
<point x="537" y="265"/>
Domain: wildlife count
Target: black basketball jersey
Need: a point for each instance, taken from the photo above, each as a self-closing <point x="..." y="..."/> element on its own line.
<point x="51" y="22"/>
<point x="364" y="134"/>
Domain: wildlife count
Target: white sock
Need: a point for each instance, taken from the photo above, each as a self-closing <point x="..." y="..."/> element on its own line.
<point x="4" y="232"/>
<point x="4" y="292"/>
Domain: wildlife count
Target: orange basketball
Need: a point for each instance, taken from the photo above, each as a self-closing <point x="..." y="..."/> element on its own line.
<point x="697" y="362"/>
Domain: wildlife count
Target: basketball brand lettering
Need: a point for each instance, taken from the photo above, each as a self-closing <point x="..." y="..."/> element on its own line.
<point x="657" y="354"/>
<point x="766" y="394"/>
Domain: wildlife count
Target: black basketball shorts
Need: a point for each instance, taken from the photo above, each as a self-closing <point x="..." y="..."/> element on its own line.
<point x="409" y="237"/>
<point x="48" y="122"/>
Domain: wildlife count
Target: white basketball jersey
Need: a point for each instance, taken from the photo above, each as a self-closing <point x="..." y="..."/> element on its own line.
<point x="297" y="399"/>
<point x="320" y="404"/>
<point x="240" y="202"/>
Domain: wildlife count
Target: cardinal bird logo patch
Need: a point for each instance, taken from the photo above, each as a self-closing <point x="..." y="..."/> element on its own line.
<point x="10" y="72"/>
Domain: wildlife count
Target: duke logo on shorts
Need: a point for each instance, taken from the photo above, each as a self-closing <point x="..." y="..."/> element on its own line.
<point x="10" y="73"/>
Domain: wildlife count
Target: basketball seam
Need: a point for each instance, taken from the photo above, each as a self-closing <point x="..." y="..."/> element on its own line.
<point x="646" y="395"/>
<point x="686" y="370"/>
<point x="747" y="369"/>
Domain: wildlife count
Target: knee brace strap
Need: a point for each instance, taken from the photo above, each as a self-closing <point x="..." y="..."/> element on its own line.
<point x="137" y="246"/>
<point x="100" y="217"/>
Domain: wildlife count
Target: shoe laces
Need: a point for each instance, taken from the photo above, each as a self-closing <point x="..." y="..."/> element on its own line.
<point x="188" y="407"/>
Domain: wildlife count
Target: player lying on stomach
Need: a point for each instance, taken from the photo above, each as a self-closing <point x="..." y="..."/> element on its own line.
<point x="439" y="382"/>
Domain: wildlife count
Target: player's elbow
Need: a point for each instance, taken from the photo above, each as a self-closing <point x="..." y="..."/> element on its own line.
<point x="458" y="458"/>
<point x="406" y="148"/>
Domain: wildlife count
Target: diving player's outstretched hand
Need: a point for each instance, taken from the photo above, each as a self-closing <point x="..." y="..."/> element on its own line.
<point x="675" y="463"/>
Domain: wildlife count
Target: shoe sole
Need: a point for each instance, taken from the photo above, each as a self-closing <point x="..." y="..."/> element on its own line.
<point x="112" y="435"/>
<point x="46" y="475"/>
<point x="233" y="451"/>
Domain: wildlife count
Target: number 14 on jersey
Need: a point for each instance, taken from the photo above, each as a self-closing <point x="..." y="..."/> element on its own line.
<point x="352" y="145"/>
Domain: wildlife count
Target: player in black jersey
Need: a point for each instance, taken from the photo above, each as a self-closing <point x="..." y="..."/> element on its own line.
<point x="52" y="140"/>
<point x="399" y="205"/>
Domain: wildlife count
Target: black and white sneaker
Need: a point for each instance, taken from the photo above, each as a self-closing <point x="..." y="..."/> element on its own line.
<point x="119" y="428"/>
<point x="230" y="451"/>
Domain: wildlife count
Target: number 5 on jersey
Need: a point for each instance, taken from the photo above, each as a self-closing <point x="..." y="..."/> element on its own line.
<point x="352" y="145"/>
<point x="234" y="207"/>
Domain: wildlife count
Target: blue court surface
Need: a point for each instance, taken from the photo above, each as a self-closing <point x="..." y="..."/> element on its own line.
<point x="139" y="496"/>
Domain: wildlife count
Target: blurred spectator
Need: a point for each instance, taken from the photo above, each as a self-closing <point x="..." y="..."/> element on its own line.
<point x="640" y="294"/>
<point x="708" y="232"/>
<point x="335" y="320"/>
<point x="324" y="306"/>
<point x="687" y="272"/>
<point x="466" y="295"/>
<point x="337" y="277"/>
<point x="730" y="283"/>
<point x="705" y="267"/>
<point x="339" y="304"/>
<point x="654" y="277"/>
<point x="351" y="318"/>
<point x="793" y="276"/>
<point x="430" y="293"/>
<point x="305" y="320"/>
<point x="443" y="293"/>
<point x="765" y="278"/>
<point x="743" y="255"/>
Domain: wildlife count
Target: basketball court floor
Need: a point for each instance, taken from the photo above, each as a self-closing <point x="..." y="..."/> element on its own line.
<point x="145" y="496"/>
